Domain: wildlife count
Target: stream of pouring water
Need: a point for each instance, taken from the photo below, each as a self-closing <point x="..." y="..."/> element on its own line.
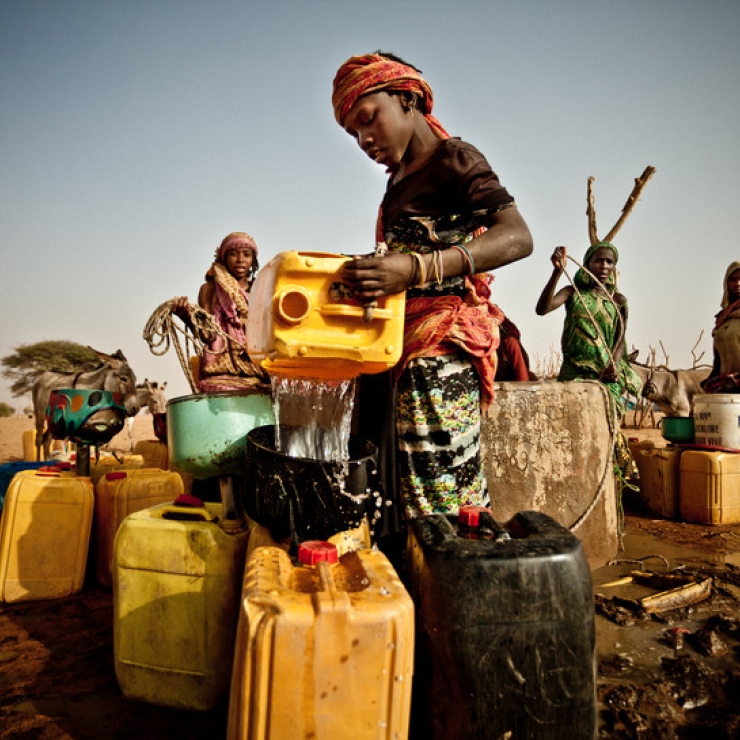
<point x="313" y="417"/>
<point x="313" y="420"/>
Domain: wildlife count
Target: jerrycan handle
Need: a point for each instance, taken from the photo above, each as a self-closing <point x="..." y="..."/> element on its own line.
<point x="187" y="508"/>
<point x="489" y="525"/>
<point x="347" y="310"/>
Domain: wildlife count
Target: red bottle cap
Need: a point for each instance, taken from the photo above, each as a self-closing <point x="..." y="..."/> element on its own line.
<point x="185" y="499"/>
<point x="469" y="516"/>
<point x="115" y="475"/>
<point x="316" y="551"/>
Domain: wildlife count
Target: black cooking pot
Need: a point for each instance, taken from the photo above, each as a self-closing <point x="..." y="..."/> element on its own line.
<point x="305" y="499"/>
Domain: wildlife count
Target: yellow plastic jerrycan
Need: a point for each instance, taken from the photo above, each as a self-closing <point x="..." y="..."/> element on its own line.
<point x="324" y="648"/>
<point x="177" y="577"/>
<point x="304" y="322"/>
<point x="44" y="535"/>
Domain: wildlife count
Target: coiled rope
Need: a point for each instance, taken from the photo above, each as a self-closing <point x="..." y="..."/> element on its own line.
<point x="608" y="468"/>
<point x="161" y="331"/>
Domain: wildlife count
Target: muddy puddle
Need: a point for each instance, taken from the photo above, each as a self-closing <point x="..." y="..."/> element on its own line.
<point x="674" y="672"/>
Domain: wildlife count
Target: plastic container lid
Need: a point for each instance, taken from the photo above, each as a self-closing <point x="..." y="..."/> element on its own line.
<point x="312" y="552"/>
<point x="185" y="499"/>
<point x="469" y="516"/>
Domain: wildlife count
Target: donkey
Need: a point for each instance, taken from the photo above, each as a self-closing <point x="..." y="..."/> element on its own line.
<point x="151" y="397"/>
<point x="672" y="391"/>
<point x="113" y="374"/>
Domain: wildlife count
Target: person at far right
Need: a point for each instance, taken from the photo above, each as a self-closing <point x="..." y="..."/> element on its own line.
<point x="725" y="375"/>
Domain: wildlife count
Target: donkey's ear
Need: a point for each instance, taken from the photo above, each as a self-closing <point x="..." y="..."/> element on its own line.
<point x="102" y="356"/>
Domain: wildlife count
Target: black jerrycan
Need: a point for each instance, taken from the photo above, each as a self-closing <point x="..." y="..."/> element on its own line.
<point x="505" y="644"/>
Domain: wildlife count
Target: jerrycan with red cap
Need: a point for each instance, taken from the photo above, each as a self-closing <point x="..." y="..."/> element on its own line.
<point x="120" y="493"/>
<point x="177" y="574"/>
<point x="324" y="647"/>
<point x="477" y="523"/>
<point x="44" y="535"/>
<point x="505" y="629"/>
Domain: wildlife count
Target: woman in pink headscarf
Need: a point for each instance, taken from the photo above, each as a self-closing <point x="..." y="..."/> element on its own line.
<point x="225" y="365"/>
<point x="444" y="222"/>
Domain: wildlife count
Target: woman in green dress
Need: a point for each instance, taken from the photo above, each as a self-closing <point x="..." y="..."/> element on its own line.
<point x="593" y="341"/>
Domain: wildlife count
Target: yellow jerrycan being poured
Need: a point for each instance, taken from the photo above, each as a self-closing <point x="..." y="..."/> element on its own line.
<point x="304" y="322"/>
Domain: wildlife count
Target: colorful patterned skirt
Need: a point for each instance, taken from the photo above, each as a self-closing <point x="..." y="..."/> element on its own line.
<point x="438" y="425"/>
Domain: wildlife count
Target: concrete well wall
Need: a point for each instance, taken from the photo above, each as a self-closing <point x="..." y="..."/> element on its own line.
<point x="548" y="446"/>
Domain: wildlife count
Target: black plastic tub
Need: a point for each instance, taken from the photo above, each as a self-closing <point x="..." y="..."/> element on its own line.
<point x="505" y="632"/>
<point x="305" y="499"/>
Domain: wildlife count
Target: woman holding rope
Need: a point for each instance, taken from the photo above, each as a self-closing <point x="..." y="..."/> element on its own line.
<point x="593" y="341"/>
<point x="225" y="365"/>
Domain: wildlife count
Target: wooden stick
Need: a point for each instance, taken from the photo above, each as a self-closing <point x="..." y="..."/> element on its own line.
<point x="634" y="196"/>
<point x="689" y="593"/>
<point x="591" y="212"/>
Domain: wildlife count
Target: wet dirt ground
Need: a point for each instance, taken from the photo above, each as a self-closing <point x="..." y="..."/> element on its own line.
<point x="57" y="679"/>
<point x="674" y="673"/>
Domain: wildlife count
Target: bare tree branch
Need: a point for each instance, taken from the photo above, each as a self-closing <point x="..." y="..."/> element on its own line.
<point x="591" y="212"/>
<point x="693" y="350"/>
<point x="634" y="196"/>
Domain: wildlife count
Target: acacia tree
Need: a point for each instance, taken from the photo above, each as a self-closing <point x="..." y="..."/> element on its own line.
<point x="28" y="361"/>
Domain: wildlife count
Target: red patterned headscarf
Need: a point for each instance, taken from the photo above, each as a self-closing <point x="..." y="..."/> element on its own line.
<point x="371" y="73"/>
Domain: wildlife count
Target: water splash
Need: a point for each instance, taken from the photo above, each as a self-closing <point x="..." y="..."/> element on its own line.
<point x="313" y="417"/>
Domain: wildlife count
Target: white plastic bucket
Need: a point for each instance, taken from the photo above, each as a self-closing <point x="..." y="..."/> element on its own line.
<point x="717" y="420"/>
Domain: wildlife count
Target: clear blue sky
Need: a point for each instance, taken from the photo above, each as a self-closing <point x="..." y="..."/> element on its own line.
<point x="135" y="134"/>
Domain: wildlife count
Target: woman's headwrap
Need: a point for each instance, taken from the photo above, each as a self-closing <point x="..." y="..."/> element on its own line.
<point x="369" y="73"/>
<point x="726" y="293"/>
<point x="584" y="279"/>
<point x="233" y="240"/>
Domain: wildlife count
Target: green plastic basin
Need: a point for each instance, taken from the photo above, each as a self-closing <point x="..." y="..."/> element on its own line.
<point x="207" y="432"/>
